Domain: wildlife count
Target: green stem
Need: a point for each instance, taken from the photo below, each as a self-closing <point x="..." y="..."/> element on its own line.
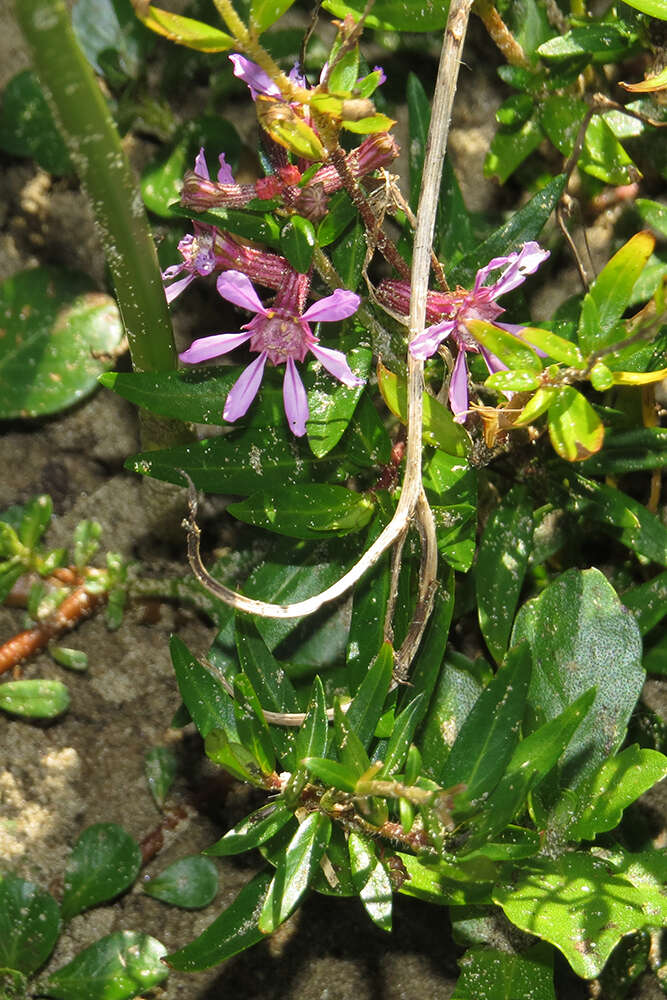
<point x="84" y="119"/>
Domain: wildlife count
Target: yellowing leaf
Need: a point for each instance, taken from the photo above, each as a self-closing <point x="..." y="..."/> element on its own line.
<point x="639" y="378"/>
<point x="649" y="85"/>
<point x="183" y="30"/>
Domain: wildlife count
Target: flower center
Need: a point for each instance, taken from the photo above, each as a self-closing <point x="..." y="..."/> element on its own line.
<point x="282" y="335"/>
<point x="198" y="253"/>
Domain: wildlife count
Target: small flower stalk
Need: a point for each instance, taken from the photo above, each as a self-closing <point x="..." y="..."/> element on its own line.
<point x="280" y="335"/>
<point x="450" y="313"/>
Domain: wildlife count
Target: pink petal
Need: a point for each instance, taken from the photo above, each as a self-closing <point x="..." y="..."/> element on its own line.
<point x="517" y="266"/>
<point x="238" y="288"/>
<point x="295" y="399"/>
<point x="254" y="76"/>
<point x="174" y="290"/>
<point x="335" y="362"/>
<point x="244" y="390"/>
<point x="428" y="341"/>
<point x="458" y="388"/>
<point x="201" y="167"/>
<point x="172" y="271"/>
<point x="493" y="363"/>
<point x="340" y="305"/>
<point x="212" y="347"/>
<point x="225" y="175"/>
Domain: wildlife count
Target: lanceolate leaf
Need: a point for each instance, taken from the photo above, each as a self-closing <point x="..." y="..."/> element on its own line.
<point x="183" y="30"/>
<point x="488" y="737"/>
<point x="366" y="707"/>
<point x="401" y="737"/>
<point x="205" y="698"/>
<point x="233" y="931"/>
<point x="311" y="740"/>
<point x="295" y="870"/>
<point x="254" y="830"/>
<point x="370" y="879"/>
<point x="501" y="564"/>
<point x="314" y="511"/>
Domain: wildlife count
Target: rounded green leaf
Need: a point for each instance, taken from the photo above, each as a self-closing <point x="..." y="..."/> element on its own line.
<point x="37" y="699"/>
<point x="27" y="127"/>
<point x="117" y="967"/>
<point x="104" y="862"/>
<point x="160" y="766"/>
<point x="53" y="325"/>
<point x="29" y="924"/>
<point x="191" y="883"/>
<point x="575" y="429"/>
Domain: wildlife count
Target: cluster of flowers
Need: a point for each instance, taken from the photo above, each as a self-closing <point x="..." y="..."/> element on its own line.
<point x="281" y="333"/>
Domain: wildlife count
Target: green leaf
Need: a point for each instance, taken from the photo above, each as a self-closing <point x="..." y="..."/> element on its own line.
<point x="190" y="883"/>
<point x="370" y="879"/>
<point x="556" y="347"/>
<point x="110" y="26"/>
<point x="615" y="785"/>
<point x="369" y="601"/>
<point x="259" y="226"/>
<point x="297" y="242"/>
<point x="162" y="179"/>
<point x="252" y="726"/>
<point x="160" y="767"/>
<point x="625" y="518"/>
<point x="489" y="734"/>
<point x="295" y="870"/>
<point x="458" y="689"/>
<point x="264" y="13"/>
<point x="439" y="426"/>
<point x="340" y="214"/>
<point x="401" y="737"/>
<point x="35" y="699"/>
<point x="408" y="15"/>
<point x="349" y="748"/>
<point x="27" y="127"/>
<point x="427" y="663"/>
<point x="233" y="757"/>
<point x="366" y="707"/>
<point x="117" y="967"/>
<point x="37" y="513"/>
<point x="654" y="213"/>
<point x="331" y="773"/>
<point x="312" y="511"/>
<point x="510" y="349"/>
<point x="648" y="602"/>
<point x="510" y="148"/>
<point x="654" y="8"/>
<point x="611" y="292"/>
<point x="72" y="659"/>
<point x="104" y="862"/>
<point x="583" y="906"/>
<point x="531" y="762"/>
<point x="603" y="42"/>
<point x="29" y="924"/>
<point x="54" y="326"/>
<point x="597" y="643"/>
<point x="235" y="463"/>
<point x="185" y="30"/>
<point x="501" y="566"/>
<point x="332" y="408"/>
<point x="233" y="931"/>
<point x="349" y="254"/>
<point x="311" y="740"/>
<point x="490" y="974"/>
<point x="205" y="698"/>
<point x="254" y="830"/>
<point x="575" y="430"/>
<point x="524" y="225"/>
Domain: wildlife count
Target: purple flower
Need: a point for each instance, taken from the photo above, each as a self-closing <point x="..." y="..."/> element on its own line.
<point x="279" y="334"/>
<point x="452" y="311"/>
